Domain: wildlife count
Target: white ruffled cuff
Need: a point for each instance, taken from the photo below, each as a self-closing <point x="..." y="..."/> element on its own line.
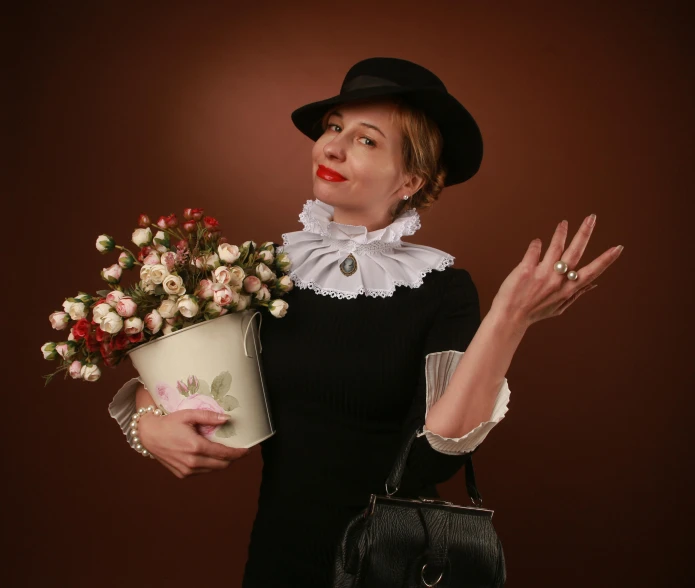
<point x="439" y="367"/>
<point x="122" y="407"/>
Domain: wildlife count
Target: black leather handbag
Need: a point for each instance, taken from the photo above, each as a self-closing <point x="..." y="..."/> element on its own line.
<point x="407" y="543"/>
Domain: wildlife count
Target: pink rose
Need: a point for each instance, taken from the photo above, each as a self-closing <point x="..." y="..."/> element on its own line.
<point x="170" y="397"/>
<point x="201" y="402"/>
<point x="252" y="284"/>
<point x="222" y="294"/>
<point x="205" y="289"/>
<point x="75" y="369"/>
<point x="126" y="306"/>
<point x="152" y="258"/>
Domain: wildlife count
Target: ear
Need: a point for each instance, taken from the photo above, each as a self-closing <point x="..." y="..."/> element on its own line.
<point x="413" y="184"/>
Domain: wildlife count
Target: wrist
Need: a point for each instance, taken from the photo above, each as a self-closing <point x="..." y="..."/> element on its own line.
<point x="507" y="321"/>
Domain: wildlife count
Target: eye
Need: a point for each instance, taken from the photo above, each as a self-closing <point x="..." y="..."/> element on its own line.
<point x="331" y="125"/>
<point x="370" y="144"/>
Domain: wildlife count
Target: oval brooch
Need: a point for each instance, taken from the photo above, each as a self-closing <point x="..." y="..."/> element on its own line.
<point x="349" y="265"/>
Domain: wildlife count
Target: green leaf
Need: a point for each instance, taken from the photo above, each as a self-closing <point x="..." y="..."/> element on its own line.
<point x="225" y="430"/>
<point x="204" y="388"/>
<point x="221" y="384"/>
<point x="229" y="402"/>
<point x="103" y="293"/>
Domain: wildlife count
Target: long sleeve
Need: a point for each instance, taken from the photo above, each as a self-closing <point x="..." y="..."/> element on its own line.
<point x="122" y="407"/>
<point x="434" y="459"/>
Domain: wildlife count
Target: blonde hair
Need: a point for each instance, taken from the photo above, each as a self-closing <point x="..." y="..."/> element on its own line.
<point x="421" y="152"/>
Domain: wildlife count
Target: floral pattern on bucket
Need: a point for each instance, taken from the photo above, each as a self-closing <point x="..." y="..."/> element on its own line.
<point x="195" y="393"/>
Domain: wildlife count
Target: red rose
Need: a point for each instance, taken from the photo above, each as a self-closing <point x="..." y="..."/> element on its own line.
<point x="144" y="252"/>
<point x="211" y="223"/>
<point x="196" y="213"/>
<point x="162" y="222"/>
<point x="137" y="337"/>
<point x="143" y="221"/>
<point x="172" y="221"/>
<point x="80" y="329"/>
<point x="101" y="335"/>
<point x="120" y="341"/>
<point x="190" y="226"/>
<point x="182" y="244"/>
<point x="91" y="343"/>
<point x="105" y="348"/>
<point x="110" y="360"/>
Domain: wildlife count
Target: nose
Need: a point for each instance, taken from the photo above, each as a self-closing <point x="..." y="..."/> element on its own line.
<point x="334" y="149"/>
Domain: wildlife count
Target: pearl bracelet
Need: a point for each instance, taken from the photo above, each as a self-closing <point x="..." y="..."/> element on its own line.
<point x="134" y="428"/>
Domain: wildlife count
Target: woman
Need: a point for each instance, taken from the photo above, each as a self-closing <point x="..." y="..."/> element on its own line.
<point x="373" y="345"/>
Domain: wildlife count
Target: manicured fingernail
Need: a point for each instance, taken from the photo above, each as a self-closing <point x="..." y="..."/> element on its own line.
<point x="619" y="249"/>
<point x="222" y="417"/>
<point x="592" y="220"/>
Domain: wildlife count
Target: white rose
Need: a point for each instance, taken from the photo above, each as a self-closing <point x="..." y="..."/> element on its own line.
<point x="112" y="323"/>
<point x="263" y="293"/>
<point x="172" y="284"/>
<point x="71" y="337"/>
<point x="142" y="237"/>
<point x="77" y="311"/>
<point x="278" y="308"/>
<point x="188" y="306"/>
<point x="100" y="311"/>
<point x="153" y="321"/>
<point x="90" y="372"/>
<point x="264" y="272"/>
<point x="133" y="325"/>
<point x="238" y="275"/>
<point x="66" y="306"/>
<point x="266" y="256"/>
<point x="244" y="302"/>
<point x="222" y="274"/>
<point x="162" y="248"/>
<point x="212" y="261"/>
<point x="59" y="320"/>
<point x="146" y="273"/>
<point x="223" y="295"/>
<point x="112" y="274"/>
<point x="285" y="284"/>
<point x="228" y="253"/>
<point x="205" y="289"/>
<point x="158" y="273"/>
<point x="114" y="297"/>
<point x="167" y="309"/>
<point x="104" y="243"/>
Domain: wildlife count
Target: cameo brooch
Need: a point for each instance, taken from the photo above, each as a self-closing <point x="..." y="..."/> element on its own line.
<point x="349" y="265"/>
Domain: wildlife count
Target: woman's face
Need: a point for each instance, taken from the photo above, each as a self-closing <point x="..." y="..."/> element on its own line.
<point x="362" y="143"/>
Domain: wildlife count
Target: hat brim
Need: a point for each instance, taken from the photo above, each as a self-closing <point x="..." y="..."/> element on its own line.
<point x="462" y="153"/>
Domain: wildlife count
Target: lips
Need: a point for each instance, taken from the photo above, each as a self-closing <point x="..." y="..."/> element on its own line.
<point x="329" y="174"/>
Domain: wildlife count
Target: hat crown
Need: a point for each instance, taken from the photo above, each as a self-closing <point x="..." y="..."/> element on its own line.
<point x="389" y="71"/>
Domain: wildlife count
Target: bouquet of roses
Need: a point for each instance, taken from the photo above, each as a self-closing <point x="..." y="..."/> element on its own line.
<point x="188" y="273"/>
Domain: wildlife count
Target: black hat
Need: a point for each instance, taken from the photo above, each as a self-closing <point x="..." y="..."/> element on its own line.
<point x="375" y="77"/>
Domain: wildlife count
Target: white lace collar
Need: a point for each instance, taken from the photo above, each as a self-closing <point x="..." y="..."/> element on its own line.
<point x="343" y="261"/>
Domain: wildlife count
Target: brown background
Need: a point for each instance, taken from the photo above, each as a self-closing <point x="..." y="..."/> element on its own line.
<point x="585" y="107"/>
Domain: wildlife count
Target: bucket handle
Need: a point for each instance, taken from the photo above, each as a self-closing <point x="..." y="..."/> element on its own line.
<point x="246" y="333"/>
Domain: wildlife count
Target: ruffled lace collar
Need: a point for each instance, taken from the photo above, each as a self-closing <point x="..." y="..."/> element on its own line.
<point x="344" y="261"/>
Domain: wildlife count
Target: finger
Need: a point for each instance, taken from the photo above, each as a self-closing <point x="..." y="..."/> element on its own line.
<point x="199" y="416"/>
<point x="576" y="248"/>
<point x="219" y="451"/>
<point x="532" y="254"/>
<point x="557" y="244"/>
<point x="593" y="270"/>
<point x="209" y="463"/>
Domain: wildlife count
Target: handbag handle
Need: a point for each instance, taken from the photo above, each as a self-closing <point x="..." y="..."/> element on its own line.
<point x="396" y="475"/>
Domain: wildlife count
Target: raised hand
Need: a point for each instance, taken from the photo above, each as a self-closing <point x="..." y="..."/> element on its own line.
<point x="535" y="290"/>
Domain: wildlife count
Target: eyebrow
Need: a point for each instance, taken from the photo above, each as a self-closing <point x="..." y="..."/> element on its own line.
<point x="365" y="124"/>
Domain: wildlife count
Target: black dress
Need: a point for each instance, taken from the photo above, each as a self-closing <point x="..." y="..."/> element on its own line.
<point x="346" y="382"/>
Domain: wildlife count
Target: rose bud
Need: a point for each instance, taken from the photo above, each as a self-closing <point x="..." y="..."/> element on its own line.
<point x="120" y="341"/>
<point x="172" y="221"/>
<point x="105" y="243"/>
<point x="204" y="289"/>
<point x="133" y="325"/>
<point x="197" y="213"/>
<point x="153" y="322"/>
<point x="282" y="262"/>
<point x="244" y="303"/>
<point x="212" y="310"/>
<point x="137" y="337"/>
<point x="211" y="223"/>
<point x="284" y="284"/>
<point x="142" y="237"/>
<point x="81" y="329"/>
<point x="190" y="226"/>
<point x="264" y="272"/>
<point x="90" y="372"/>
<point x="112" y="323"/>
<point x="126" y="260"/>
<point x="113" y="297"/>
<point x="49" y="351"/>
<point x="188" y="213"/>
<point x="252" y="284"/>
<point x="161" y="241"/>
<point x="266" y="256"/>
<point x="188" y="306"/>
<point x="278" y="308"/>
<point x="152" y="258"/>
<point x="162" y="222"/>
<point x="212" y="261"/>
<point x="75" y="369"/>
<point x="78" y="310"/>
<point x="59" y="320"/>
<point x="100" y="311"/>
<point x="143" y="221"/>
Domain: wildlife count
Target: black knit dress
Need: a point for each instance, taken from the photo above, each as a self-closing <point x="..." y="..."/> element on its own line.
<point x="346" y="382"/>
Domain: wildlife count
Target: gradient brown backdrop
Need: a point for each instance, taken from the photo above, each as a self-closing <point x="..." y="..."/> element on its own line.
<point x="585" y="107"/>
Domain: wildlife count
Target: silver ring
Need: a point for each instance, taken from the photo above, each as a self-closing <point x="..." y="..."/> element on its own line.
<point x="561" y="267"/>
<point x="422" y="575"/>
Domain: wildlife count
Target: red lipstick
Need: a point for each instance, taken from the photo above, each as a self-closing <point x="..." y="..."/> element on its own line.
<point x="328" y="174"/>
